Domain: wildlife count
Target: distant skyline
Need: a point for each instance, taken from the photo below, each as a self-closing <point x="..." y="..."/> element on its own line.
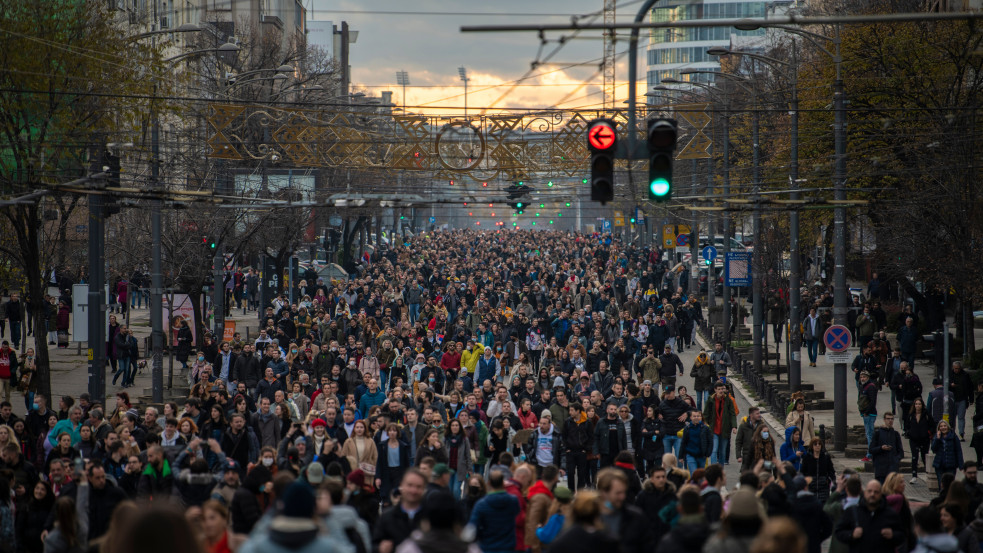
<point x="430" y="48"/>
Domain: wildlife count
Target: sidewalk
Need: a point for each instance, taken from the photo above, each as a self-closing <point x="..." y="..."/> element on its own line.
<point x="822" y="378"/>
<point x="69" y="367"/>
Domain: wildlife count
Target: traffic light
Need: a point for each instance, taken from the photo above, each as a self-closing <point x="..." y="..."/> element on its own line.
<point x="661" y="138"/>
<point x="602" y="138"/>
<point x="113" y="168"/>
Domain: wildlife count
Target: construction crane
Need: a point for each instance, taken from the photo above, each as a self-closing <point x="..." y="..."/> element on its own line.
<point x="608" y="62"/>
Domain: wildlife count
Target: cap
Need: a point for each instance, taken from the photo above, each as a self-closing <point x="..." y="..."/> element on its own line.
<point x="799" y="483"/>
<point x="439" y="469"/>
<point x="546" y="414"/>
<point x="318" y="422"/>
<point x="669" y="388"/>
<point x="231" y="465"/>
<point x="744" y="505"/>
<point x="646" y="383"/>
<point x="216" y="388"/>
<point x="299" y="502"/>
<point x="315" y="473"/>
<point x="562" y="494"/>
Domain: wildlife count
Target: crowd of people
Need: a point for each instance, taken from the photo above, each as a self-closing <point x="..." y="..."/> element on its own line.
<point x="507" y="391"/>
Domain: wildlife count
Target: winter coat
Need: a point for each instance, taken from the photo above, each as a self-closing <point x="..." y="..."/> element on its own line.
<point x="742" y="445"/>
<point x="728" y="420"/>
<point x="948" y="452"/>
<point x="602" y="445"/>
<point x="788" y="449"/>
<point x="671" y="410"/>
<point x="688" y="536"/>
<point x="703" y="375"/>
<point x="651" y="501"/>
<point x="493" y="518"/>
<point x="808" y="512"/>
<point x="697" y="441"/>
<point x="578" y="436"/>
<point x="889" y="461"/>
<point x="806" y="422"/>
<point x="154" y="485"/>
<point x="578" y="540"/>
<point x="872" y="522"/>
<point x="538" y="502"/>
<point x="818" y="469"/>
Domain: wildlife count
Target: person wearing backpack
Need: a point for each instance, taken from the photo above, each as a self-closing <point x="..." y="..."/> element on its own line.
<point x="867" y="404"/>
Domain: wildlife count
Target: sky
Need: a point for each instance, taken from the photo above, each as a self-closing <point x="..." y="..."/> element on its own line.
<point x="427" y="43"/>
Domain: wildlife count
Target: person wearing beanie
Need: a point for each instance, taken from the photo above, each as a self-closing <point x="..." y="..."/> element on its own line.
<point x="494" y="515"/>
<point x="294" y="528"/>
<point x="543" y="447"/>
<point x="807" y="510"/>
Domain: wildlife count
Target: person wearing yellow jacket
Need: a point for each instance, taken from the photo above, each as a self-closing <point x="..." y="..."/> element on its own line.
<point x="470" y="356"/>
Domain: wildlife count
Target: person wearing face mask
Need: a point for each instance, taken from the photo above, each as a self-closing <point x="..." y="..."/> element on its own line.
<point x="763" y="447"/>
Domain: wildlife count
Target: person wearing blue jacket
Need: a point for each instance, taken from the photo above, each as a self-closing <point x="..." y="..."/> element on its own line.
<point x="793" y="449"/>
<point x="493" y="517"/>
<point x="697" y="442"/>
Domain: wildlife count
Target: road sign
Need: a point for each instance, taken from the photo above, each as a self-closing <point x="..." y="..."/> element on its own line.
<point x="619" y="219"/>
<point x="606" y="225"/>
<point x="837" y="338"/>
<point x="838" y="357"/>
<point x="709" y="253"/>
<point x="682" y="240"/>
<point x="601" y="136"/>
<point x="433" y="220"/>
<point x="737" y="268"/>
<point x="668" y="236"/>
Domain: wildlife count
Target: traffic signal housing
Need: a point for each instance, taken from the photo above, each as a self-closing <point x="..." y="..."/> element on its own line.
<point x="661" y="142"/>
<point x="602" y="140"/>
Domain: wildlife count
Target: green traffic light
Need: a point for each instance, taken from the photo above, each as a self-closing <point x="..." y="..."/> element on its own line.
<point x="659" y="187"/>
<point x="537" y="214"/>
<point x="568" y="204"/>
<point x="550" y="183"/>
<point x="519" y="204"/>
<point x="534" y="223"/>
<point x="542" y="205"/>
<point x="632" y="220"/>
<point x="584" y="181"/>
<point x="551" y="221"/>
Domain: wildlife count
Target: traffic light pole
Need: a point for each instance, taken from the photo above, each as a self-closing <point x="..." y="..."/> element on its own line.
<point x="757" y="304"/>
<point x="795" y="276"/>
<point x="218" y="293"/>
<point x="97" y="284"/>
<point x="727" y="230"/>
<point x="156" y="279"/>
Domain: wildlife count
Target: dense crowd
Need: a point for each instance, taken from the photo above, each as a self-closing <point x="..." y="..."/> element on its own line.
<point x="507" y="391"/>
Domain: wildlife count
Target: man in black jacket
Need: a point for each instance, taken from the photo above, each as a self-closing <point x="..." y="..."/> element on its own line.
<point x="397" y="522"/>
<point x="247" y="369"/>
<point x="670" y="364"/>
<point x="609" y="436"/>
<point x="806" y="509"/>
<point x="578" y="440"/>
<point x="886" y="449"/>
<point x="870" y="526"/>
<point x="657" y="492"/>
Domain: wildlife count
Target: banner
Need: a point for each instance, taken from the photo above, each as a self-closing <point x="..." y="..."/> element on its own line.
<point x="182" y="310"/>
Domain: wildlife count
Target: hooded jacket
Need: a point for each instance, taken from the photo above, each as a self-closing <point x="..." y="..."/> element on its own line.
<point x="537" y="508"/>
<point x="578" y="436"/>
<point x="788" y="449"/>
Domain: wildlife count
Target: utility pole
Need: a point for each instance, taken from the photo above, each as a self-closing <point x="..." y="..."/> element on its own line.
<point x="795" y="278"/>
<point x="757" y="304"/>
<point x="156" y="278"/>
<point x="727" y="230"/>
<point x="218" y="291"/>
<point x="97" y="279"/>
<point x="839" y="235"/>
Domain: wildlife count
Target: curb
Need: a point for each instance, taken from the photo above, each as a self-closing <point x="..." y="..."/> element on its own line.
<point x="766" y="415"/>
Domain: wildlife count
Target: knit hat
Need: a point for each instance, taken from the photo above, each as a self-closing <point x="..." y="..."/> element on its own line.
<point x="439" y="469"/>
<point x="546" y="414"/>
<point x="356" y="477"/>
<point x="475" y="414"/>
<point x="297" y="511"/>
<point x="562" y="494"/>
<point x="318" y="422"/>
<point x="559" y="383"/>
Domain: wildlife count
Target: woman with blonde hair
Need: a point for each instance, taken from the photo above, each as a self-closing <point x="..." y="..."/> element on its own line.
<point x="7" y="436"/>
<point x="893" y="489"/>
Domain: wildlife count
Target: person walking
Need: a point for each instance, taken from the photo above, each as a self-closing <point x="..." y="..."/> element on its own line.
<point x="948" y="451"/>
<point x="867" y="404"/>
<point x="886" y="449"/>
<point x="870" y="526"/>
<point x="720" y="415"/>
<point x="812" y="333"/>
<point x="493" y="517"/>
<point x="919" y="431"/>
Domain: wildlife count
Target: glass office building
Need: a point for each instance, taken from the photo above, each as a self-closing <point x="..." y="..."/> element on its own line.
<point x="673" y="49"/>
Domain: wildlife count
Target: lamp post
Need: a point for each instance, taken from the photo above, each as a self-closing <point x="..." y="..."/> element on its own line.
<point x="757" y="303"/>
<point x="840" y="305"/>
<point x="463" y="72"/>
<point x="795" y="278"/>
<point x="156" y="278"/>
<point x="711" y="272"/>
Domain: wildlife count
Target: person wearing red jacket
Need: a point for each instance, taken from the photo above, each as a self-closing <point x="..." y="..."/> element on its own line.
<point x="8" y="368"/>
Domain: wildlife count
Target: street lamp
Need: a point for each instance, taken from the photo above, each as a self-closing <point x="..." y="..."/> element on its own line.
<point x="757" y="303"/>
<point x="795" y="316"/>
<point x="839" y="212"/>
<point x="463" y="72"/>
<point x="227" y="47"/>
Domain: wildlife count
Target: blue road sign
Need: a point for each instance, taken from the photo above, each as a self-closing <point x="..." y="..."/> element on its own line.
<point x="737" y="269"/>
<point x="837" y="338"/>
<point x="709" y="253"/>
<point x="433" y="220"/>
<point x="606" y="225"/>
